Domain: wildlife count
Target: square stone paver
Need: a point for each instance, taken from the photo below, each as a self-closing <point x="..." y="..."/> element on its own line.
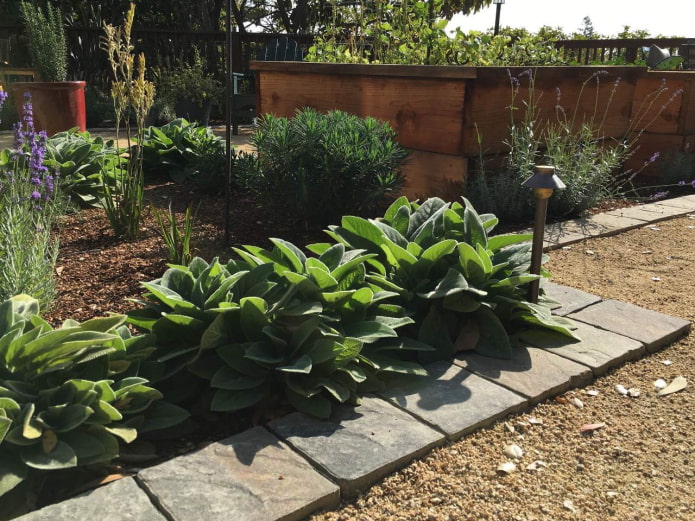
<point x="570" y="299"/>
<point x="655" y="330"/>
<point x="454" y="400"/>
<point x="611" y="223"/>
<point x="686" y="202"/>
<point x="532" y="372"/>
<point x="359" y="445"/>
<point x="598" y="349"/>
<point x="122" y="500"/>
<point x="663" y="211"/>
<point x="648" y="214"/>
<point x="250" y="476"/>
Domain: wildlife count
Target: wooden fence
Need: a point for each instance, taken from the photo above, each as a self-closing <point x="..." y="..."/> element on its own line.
<point x="162" y="48"/>
<point x="625" y="51"/>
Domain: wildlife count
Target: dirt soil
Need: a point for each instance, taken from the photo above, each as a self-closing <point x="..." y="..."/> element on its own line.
<point x="641" y="466"/>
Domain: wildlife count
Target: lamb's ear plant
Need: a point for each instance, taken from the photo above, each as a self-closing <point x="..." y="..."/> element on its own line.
<point x="276" y="326"/>
<point x="68" y="396"/>
<point x="81" y="160"/>
<point x="464" y="289"/>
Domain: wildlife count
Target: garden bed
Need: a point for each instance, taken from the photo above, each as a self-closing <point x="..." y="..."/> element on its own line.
<point x="97" y="273"/>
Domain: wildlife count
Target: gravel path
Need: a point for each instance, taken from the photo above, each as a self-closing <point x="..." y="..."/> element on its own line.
<point x="640" y="466"/>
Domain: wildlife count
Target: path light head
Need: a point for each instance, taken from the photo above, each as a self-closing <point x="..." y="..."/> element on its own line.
<point x="661" y="60"/>
<point x="543" y="182"/>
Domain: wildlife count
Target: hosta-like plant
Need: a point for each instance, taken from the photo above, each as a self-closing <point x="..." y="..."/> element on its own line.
<point x="182" y="150"/>
<point x="278" y="325"/>
<point x="464" y="288"/>
<point x="80" y="160"/>
<point x="69" y="395"/>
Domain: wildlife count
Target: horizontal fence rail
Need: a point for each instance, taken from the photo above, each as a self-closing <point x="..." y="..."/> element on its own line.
<point x="625" y="50"/>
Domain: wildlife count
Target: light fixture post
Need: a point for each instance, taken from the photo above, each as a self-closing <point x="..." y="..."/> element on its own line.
<point x="498" y="3"/>
<point x="543" y="182"/>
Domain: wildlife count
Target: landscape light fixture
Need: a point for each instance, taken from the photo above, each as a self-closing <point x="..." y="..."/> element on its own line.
<point x="661" y="60"/>
<point x="498" y="3"/>
<point x="542" y="182"/>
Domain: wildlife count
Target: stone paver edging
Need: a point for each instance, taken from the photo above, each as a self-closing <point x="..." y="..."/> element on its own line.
<point x="298" y="465"/>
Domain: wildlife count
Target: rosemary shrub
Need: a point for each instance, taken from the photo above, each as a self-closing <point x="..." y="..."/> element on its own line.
<point x="46" y="40"/>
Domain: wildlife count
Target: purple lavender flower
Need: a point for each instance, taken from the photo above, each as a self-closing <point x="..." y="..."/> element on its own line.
<point x="681" y="183"/>
<point x="692" y="183"/>
<point x="35" y="195"/>
<point x="658" y="195"/>
<point x="654" y="157"/>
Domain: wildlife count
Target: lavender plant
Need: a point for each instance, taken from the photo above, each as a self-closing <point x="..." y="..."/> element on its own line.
<point x="29" y="204"/>
<point x="575" y="143"/>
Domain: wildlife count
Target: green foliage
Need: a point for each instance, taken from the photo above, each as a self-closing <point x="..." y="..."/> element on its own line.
<point x="30" y="201"/>
<point x="321" y="166"/>
<point x="189" y="81"/>
<point x="46" y="39"/>
<point x="68" y="396"/>
<point x="464" y="289"/>
<point x="183" y="150"/>
<point x="276" y="325"/>
<point x="178" y="241"/>
<point x="586" y="160"/>
<point x="131" y="94"/>
<point x="410" y="33"/>
<point x="79" y="160"/>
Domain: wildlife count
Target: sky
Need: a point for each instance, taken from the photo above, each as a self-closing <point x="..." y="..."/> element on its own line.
<point x="675" y="17"/>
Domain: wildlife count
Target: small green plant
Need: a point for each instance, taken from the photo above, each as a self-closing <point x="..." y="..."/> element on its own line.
<point x="177" y="241"/>
<point x="131" y="92"/>
<point x="182" y="150"/>
<point x="321" y="166"/>
<point x="80" y="161"/>
<point x="68" y="396"/>
<point x="46" y="40"/>
<point x="30" y="201"/>
<point x="189" y="82"/>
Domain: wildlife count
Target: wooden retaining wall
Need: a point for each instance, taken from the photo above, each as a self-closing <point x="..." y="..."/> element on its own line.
<point x="448" y="115"/>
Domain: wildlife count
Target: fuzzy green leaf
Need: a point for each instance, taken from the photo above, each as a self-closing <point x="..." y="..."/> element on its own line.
<point x="61" y="457"/>
<point x="230" y="401"/>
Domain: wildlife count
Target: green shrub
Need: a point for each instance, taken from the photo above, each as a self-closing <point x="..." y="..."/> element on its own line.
<point x="191" y="82"/>
<point x="322" y="166"/>
<point x="183" y="150"/>
<point x="464" y="289"/>
<point x="68" y="396"/>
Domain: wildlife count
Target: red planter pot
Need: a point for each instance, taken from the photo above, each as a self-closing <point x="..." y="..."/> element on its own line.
<point x="57" y="106"/>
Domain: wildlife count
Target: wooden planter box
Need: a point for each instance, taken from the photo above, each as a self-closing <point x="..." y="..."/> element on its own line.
<point x="441" y="112"/>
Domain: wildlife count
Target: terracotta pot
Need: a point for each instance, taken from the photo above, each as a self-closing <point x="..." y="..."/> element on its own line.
<point x="58" y="106"/>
